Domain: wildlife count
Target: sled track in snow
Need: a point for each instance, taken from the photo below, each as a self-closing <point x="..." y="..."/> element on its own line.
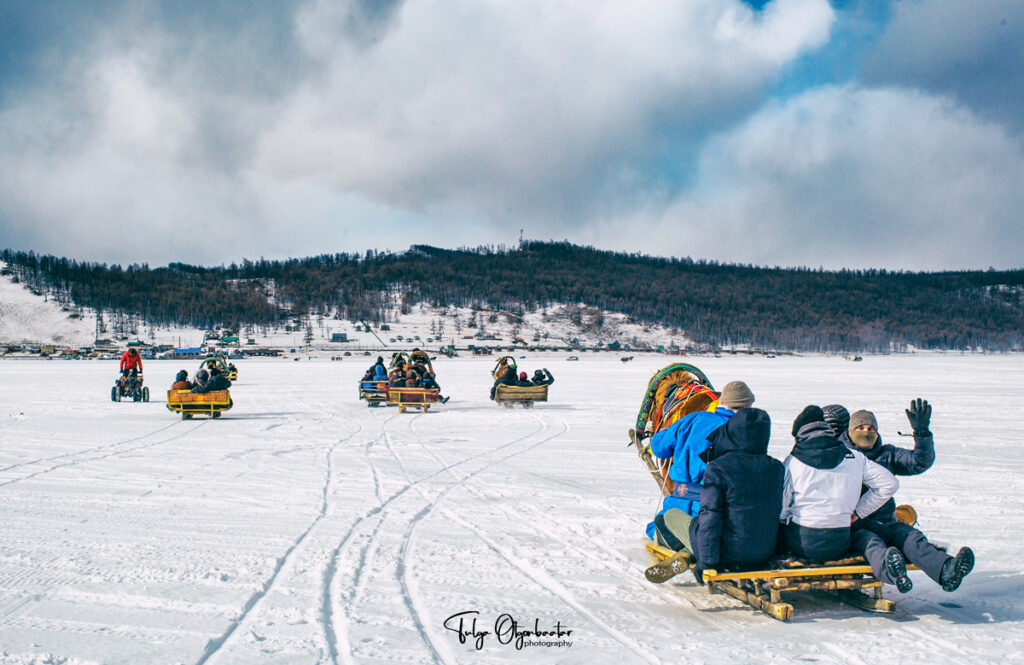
<point x="102" y="452"/>
<point x="214" y="646"/>
<point x="543" y="580"/>
<point x="338" y="643"/>
<point x="628" y="565"/>
<point x="88" y="450"/>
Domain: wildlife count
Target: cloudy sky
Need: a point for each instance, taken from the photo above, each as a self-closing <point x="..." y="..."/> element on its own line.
<point x="850" y="133"/>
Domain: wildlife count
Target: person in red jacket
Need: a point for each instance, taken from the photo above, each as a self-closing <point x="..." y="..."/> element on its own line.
<point x="131" y="360"/>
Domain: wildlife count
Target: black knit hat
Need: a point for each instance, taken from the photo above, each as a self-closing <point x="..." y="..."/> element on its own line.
<point x="837" y="417"/>
<point x="810" y="414"/>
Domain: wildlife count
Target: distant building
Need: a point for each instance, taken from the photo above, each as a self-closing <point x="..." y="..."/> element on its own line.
<point x="339" y="337"/>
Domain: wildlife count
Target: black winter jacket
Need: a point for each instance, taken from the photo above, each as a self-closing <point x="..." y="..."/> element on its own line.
<point x="899" y="462"/>
<point x="741" y="498"/>
<point x="216" y="382"/>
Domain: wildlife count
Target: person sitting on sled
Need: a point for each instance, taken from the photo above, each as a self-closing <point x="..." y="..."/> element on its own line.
<point x="524" y="380"/>
<point x="874" y="534"/>
<point x="202" y="376"/>
<point x="509" y="378"/>
<point x="822" y="495"/>
<point x="396" y="379"/>
<point x="740" y="502"/>
<point x="181" y="381"/>
<point x="131" y="362"/>
<point x="379" y="371"/>
<point x="683" y="442"/>
<point x="216" y="381"/>
<point x="540" y="380"/>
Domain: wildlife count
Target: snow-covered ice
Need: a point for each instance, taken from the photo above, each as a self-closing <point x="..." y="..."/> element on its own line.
<point x="304" y="527"/>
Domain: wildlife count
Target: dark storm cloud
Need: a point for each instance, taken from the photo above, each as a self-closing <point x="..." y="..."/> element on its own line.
<point x="971" y="51"/>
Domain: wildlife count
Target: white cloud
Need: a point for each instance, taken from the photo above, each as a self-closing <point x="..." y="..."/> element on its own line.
<point x="854" y="177"/>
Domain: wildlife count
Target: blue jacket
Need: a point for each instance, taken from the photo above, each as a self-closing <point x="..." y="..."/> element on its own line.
<point x="742" y="494"/>
<point x="899" y="462"/>
<point x="684" y="441"/>
<point x="380" y="373"/>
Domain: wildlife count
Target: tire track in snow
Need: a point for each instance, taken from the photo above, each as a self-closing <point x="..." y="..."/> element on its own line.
<point x="337" y="619"/>
<point x="106" y="455"/>
<point x="214" y="646"/>
<point x="88" y="450"/>
<point x="628" y="564"/>
<point x="541" y="578"/>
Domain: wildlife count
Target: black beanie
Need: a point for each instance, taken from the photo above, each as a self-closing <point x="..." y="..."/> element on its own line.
<point x="810" y="414"/>
<point x="837" y="417"/>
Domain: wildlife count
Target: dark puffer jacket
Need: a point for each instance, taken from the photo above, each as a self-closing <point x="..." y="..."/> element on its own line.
<point x="742" y="494"/>
<point x="899" y="462"/>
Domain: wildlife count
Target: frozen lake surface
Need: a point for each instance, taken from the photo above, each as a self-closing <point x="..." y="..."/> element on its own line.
<point x="304" y="527"/>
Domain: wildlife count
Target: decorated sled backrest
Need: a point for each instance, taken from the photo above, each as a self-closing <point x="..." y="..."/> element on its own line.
<point x="501" y="366"/>
<point x="676" y="391"/>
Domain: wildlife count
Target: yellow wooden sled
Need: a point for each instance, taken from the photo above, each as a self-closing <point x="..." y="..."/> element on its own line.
<point x="851" y="579"/>
<point x="415" y="398"/>
<point x="189" y="404"/>
<point x="526" y="395"/>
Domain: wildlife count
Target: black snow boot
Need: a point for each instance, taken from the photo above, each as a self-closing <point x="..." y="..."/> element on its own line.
<point x="896" y="570"/>
<point x="956" y="568"/>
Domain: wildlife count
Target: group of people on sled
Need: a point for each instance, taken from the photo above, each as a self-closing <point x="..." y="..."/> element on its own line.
<point x="416" y="371"/>
<point x="509" y="375"/>
<point x="735" y="507"/>
<point x="205" y="381"/>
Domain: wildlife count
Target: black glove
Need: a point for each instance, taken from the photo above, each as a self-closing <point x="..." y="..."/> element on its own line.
<point x="920" y="415"/>
<point x="698" y="574"/>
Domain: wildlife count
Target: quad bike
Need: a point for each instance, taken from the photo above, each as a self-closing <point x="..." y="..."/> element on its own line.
<point x="129" y="387"/>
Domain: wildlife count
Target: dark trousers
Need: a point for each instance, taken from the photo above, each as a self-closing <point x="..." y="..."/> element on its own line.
<point x="818" y="545"/>
<point x="872" y="537"/>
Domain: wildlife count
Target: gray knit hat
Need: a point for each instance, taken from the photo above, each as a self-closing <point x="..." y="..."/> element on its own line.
<point x="837" y="417"/>
<point x="862" y="418"/>
<point x="736" y="394"/>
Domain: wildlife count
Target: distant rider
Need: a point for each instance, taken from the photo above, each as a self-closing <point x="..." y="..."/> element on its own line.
<point x="181" y="381"/>
<point x="131" y="361"/>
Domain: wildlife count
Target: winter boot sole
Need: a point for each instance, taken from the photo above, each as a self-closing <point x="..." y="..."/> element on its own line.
<point x="665" y="570"/>
<point x="963" y="563"/>
<point x="896" y="569"/>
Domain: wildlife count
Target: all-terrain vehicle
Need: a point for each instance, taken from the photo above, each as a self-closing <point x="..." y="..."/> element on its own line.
<point x="131" y="387"/>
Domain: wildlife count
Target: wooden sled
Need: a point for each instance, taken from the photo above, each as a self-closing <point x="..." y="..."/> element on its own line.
<point x="850" y="579"/>
<point x="374" y="392"/>
<point x="526" y="395"/>
<point x="189" y="404"/>
<point x="415" y="398"/>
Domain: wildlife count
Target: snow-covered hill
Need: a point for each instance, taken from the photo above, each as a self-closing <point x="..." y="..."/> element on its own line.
<point x="30" y="318"/>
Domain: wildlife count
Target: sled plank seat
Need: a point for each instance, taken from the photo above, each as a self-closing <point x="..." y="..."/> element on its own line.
<point x="415" y="398"/>
<point x="188" y="403"/>
<point x="504" y="394"/>
<point x="850" y="578"/>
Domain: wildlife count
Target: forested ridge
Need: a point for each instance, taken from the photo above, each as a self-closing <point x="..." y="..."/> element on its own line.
<point x="713" y="303"/>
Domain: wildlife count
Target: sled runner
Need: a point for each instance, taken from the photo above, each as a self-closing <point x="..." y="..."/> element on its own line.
<point x="507" y="396"/>
<point x="374" y="392"/>
<point x="412" y="398"/>
<point x="189" y="404"/>
<point x="850" y="579"/>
